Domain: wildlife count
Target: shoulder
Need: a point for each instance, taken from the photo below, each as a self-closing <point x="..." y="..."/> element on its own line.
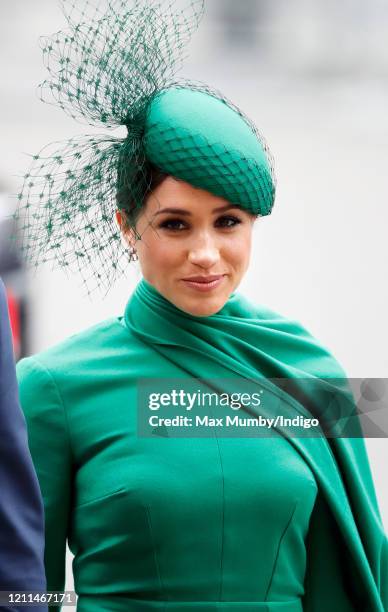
<point x="86" y="352"/>
<point x="241" y="306"/>
<point x="84" y="346"/>
<point x="46" y="378"/>
<point x="105" y="351"/>
<point x="291" y="341"/>
<point x="266" y="317"/>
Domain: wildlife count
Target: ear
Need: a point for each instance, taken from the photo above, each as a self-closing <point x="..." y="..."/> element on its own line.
<point x="127" y="235"/>
<point x="119" y="219"/>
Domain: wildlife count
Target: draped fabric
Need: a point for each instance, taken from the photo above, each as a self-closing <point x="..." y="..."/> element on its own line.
<point x="257" y="344"/>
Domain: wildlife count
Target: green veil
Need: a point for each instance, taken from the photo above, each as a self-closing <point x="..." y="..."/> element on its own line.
<point x="115" y="66"/>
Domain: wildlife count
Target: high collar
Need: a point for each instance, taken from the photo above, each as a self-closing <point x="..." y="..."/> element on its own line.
<point x="148" y="294"/>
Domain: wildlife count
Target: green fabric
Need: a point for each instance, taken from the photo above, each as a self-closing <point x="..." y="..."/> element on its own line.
<point x="168" y="523"/>
<point x="200" y="139"/>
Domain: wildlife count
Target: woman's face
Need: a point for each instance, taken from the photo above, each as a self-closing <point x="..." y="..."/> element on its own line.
<point x="194" y="248"/>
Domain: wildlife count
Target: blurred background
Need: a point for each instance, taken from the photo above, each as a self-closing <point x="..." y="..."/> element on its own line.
<point x="313" y="75"/>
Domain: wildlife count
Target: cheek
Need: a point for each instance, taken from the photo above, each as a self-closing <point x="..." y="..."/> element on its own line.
<point x="237" y="248"/>
<point x="157" y="252"/>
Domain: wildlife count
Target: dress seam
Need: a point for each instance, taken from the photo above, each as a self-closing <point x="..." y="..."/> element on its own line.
<point x="149" y="521"/>
<point x="278" y="551"/>
<point x="222" y="522"/>
<point x="61" y="402"/>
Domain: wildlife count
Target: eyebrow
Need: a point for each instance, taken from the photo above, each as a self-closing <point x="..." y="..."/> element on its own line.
<point x="187" y="213"/>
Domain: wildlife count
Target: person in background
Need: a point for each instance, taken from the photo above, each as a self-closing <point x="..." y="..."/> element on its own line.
<point x="21" y="506"/>
<point x="12" y="272"/>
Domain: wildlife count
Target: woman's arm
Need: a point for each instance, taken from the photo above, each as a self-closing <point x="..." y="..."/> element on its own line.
<point x="332" y="580"/>
<point x="329" y="582"/>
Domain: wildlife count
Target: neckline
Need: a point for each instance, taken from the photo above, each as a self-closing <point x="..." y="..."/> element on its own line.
<point x="148" y="293"/>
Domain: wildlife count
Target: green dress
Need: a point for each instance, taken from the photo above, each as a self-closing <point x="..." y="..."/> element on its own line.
<point x="194" y="523"/>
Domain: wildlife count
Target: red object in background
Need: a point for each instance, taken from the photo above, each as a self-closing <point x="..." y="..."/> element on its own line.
<point x="14" y="316"/>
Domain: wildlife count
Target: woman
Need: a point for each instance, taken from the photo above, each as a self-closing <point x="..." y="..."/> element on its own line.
<point x="191" y="518"/>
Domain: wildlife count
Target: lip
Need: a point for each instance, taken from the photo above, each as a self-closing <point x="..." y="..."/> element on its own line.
<point x="204" y="283"/>
<point x="204" y="279"/>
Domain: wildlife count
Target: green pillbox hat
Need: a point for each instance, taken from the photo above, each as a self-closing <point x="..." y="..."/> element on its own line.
<point x="200" y="139"/>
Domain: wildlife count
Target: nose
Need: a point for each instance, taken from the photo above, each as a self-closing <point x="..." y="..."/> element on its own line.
<point x="204" y="252"/>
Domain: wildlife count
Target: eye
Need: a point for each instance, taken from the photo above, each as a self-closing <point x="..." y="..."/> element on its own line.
<point x="228" y="221"/>
<point x="172" y="224"/>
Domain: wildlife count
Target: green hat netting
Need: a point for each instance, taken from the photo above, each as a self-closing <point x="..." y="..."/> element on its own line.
<point x="115" y="65"/>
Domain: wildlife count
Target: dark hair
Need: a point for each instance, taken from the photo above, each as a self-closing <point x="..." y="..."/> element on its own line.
<point x="130" y="209"/>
